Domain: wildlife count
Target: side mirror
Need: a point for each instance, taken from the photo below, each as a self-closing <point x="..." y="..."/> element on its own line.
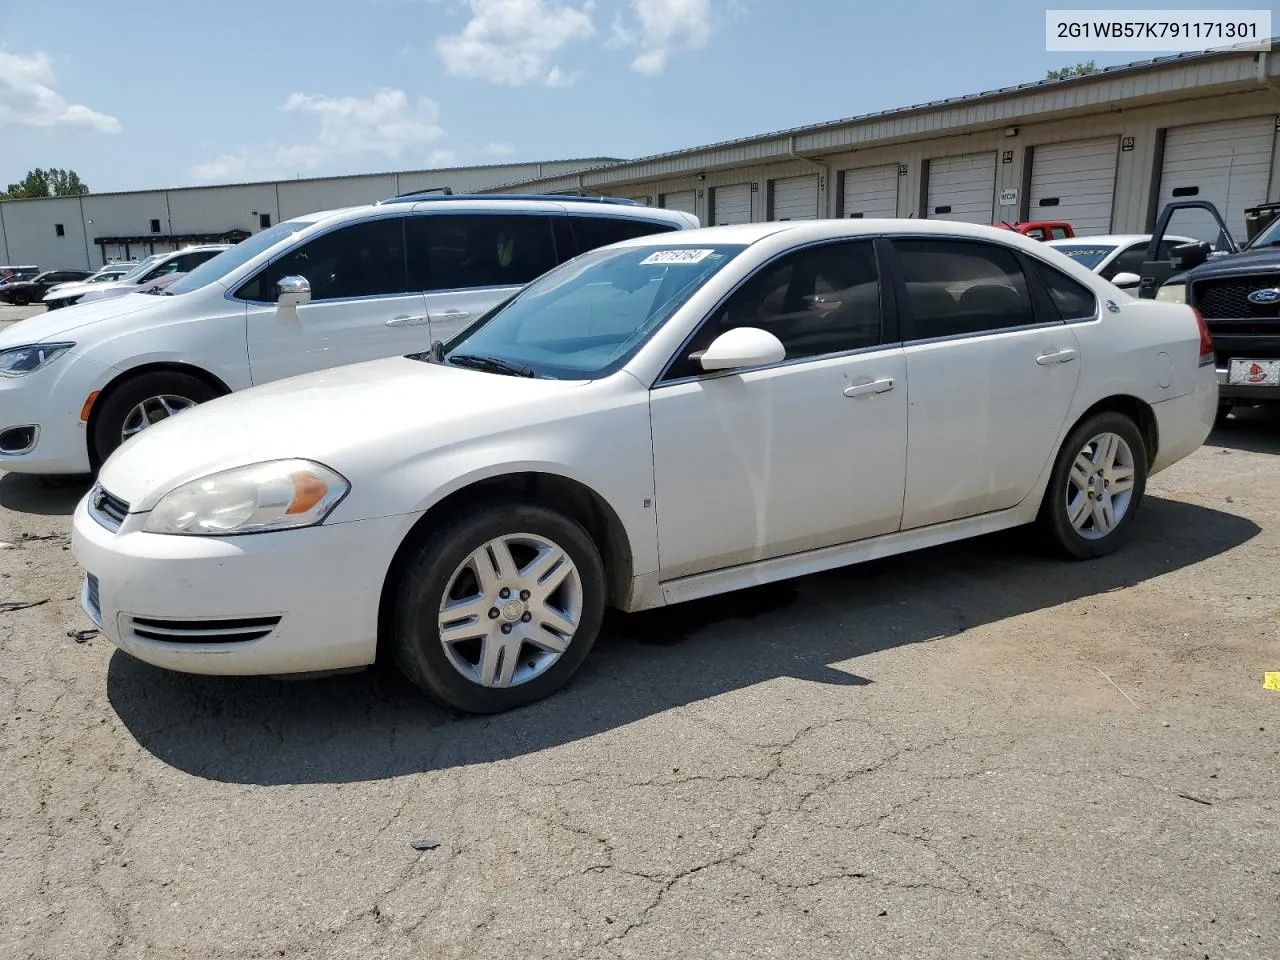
<point x="742" y="347"/>
<point x="1126" y="281"/>
<point x="293" y="291"/>
<point x="1189" y="255"/>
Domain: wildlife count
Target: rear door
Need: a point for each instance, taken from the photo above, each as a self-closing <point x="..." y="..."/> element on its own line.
<point x="990" y="375"/>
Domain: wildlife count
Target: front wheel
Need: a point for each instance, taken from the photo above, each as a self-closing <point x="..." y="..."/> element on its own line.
<point x="1098" y="481"/>
<point x="141" y="401"/>
<point x="498" y="608"/>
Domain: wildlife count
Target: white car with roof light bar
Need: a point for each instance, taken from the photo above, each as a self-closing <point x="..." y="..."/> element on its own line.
<point x="318" y="291"/>
<point x="664" y="419"/>
<point x="1116" y="257"/>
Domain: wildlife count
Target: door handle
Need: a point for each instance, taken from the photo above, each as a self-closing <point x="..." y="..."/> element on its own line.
<point x="1057" y="356"/>
<point x="867" y="387"/>
<point x="407" y="321"/>
<point x="454" y="315"/>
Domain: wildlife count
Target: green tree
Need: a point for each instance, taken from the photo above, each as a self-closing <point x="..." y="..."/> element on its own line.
<point x="1079" y="70"/>
<point x="53" y="182"/>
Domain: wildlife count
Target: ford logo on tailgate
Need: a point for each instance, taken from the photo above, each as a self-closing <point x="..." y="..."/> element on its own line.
<point x="1267" y="295"/>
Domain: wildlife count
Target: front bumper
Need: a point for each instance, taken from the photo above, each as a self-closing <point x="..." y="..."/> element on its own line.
<point x="51" y="400"/>
<point x="1243" y="394"/>
<point x="323" y="584"/>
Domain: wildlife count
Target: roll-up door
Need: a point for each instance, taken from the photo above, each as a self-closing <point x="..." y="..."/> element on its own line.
<point x="682" y="201"/>
<point x="1226" y="163"/>
<point x="870" y="192"/>
<point x="962" y="188"/>
<point x="1075" y="182"/>
<point x="731" y="204"/>
<point x="795" y="198"/>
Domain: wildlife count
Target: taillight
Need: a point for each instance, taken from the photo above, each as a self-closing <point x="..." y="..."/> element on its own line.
<point x="1206" y="341"/>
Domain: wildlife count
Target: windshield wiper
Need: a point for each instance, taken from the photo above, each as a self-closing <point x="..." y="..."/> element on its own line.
<point x="491" y="364"/>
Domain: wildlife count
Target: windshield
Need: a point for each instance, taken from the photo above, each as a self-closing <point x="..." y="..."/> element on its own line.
<point x="143" y="265"/>
<point x="1269" y="237"/>
<point x="586" y="318"/>
<point x="1086" y="254"/>
<point x="215" y="268"/>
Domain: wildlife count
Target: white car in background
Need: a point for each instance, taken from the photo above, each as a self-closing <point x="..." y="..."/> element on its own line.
<point x="672" y="417"/>
<point x="1116" y="257"/>
<point x="66" y="293"/>
<point x="153" y="268"/>
<point x="314" y="292"/>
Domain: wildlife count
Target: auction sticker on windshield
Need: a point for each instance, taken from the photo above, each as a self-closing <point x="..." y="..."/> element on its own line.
<point x="677" y="256"/>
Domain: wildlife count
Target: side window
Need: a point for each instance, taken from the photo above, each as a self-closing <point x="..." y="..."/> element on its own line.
<point x="593" y="232"/>
<point x="817" y="301"/>
<point x="1060" y="233"/>
<point x="362" y="260"/>
<point x="1036" y="233"/>
<point x="461" y="251"/>
<point x="1129" y="260"/>
<point x="1074" y="300"/>
<point x="959" y="287"/>
<point x="189" y="261"/>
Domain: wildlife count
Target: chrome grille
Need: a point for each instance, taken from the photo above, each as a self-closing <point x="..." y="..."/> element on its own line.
<point x="238" y="630"/>
<point x="1228" y="298"/>
<point x="107" y="509"/>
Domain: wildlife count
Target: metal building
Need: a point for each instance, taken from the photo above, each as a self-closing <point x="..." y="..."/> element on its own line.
<point x="1102" y="151"/>
<point x="85" y="232"/>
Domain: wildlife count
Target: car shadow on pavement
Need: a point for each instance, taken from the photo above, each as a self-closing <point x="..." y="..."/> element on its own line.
<point x="45" y="496"/>
<point x="372" y="725"/>
<point x="1251" y="429"/>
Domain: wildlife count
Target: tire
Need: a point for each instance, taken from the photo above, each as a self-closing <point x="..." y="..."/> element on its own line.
<point x="121" y="402"/>
<point x="442" y="565"/>
<point x="1093" y="537"/>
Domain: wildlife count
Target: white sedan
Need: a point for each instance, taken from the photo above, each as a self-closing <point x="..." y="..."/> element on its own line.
<point x="1117" y="257"/>
<point x="669" y="418"/>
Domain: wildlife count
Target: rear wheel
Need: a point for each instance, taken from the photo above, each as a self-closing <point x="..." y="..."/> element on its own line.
<point x="142" y="401"/>
<point x="1098" y="481"/>
<point x="499" y="608"/>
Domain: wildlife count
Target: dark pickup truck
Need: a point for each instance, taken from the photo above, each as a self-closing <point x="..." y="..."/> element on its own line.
<point x="1237" y="291"/>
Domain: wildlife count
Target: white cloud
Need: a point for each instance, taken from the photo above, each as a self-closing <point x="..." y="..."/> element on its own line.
<point x="497" y="150"/>
<point x="664" y="26"/>
<point x="28" y="98"/>
<point x="442" y="158"/>
<point x="513" y="42"/>
<point x="388" y="125"/>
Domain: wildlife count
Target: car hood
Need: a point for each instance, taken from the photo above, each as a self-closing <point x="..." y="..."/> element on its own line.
<point x="74" y="288"/>
<point x="357" y="419"/>
<point x="57" y="324"/>
<point x="1266" y="260"/>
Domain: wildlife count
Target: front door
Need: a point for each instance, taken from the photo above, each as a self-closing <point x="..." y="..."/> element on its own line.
<point x="794" y="456"/>
<point x="991" y="379"/>
<point x="361" y="307"/>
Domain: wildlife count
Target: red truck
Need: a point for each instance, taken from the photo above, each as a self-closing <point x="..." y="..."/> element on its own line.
<point x="1041" y="229"/>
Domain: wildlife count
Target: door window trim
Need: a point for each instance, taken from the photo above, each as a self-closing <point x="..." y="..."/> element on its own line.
<point x="1041" y="306"/>
<point x="889" y="329"/>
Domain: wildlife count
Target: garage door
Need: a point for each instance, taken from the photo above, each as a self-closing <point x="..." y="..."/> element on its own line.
<point x="1075" y="182"/>
<point x="962" y="188"/>
<point x="682" y="201"/>
<point x="731" y="204"/>
<point x="795" y="198"/>
<point x="870" y="192"/>
<point x="1227" y="163"/>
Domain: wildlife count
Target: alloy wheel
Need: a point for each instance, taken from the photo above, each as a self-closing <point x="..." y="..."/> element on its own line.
<point x="1100" y="486"/>
<point x="153" y="410"/>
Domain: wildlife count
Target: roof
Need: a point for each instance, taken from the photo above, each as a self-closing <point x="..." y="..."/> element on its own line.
<point x="1116" y="238"/>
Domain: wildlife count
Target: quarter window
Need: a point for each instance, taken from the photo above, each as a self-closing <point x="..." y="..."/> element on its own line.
<point x="957" y="287"/>
<point x="362" y="260"/>
<point x="593" y="232"/>
<point x="817" y="301"/>
<point x="460" y="251"/>
<point x="1074" y="300"/>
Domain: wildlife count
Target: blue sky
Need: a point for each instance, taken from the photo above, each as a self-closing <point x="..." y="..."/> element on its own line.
<point x="153" y="94"/>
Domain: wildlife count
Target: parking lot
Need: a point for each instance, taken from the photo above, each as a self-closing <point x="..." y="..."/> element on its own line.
<point x="969" y="752"/>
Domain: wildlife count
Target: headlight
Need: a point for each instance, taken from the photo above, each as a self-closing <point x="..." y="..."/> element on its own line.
<point x="1173" y="293"/>
<point x="278" y="495"/>
<point x="19" y="361"/>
